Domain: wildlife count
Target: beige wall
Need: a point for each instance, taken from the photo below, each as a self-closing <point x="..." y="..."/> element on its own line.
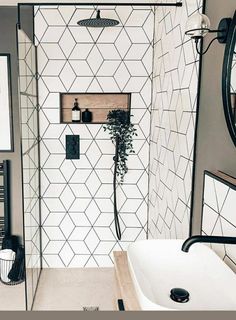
<point x="8" y="19"/>
<point x="215" y="149"/>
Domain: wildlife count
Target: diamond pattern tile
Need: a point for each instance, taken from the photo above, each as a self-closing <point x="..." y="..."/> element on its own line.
<point x="80" y="212"/>
<point x="218" y="218"/>
<point x="172" y="128"/>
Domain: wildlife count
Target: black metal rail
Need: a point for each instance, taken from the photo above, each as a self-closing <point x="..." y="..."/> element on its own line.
<point x="5" y="199"/>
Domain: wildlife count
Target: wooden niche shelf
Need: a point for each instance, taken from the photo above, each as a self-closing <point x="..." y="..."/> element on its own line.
<point x="98" y="103"/>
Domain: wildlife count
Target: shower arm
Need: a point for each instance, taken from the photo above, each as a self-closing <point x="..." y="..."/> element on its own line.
<point x="116" y="217"/>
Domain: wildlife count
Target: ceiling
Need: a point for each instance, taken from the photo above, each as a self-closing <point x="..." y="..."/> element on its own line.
<point x="15" y="2"/>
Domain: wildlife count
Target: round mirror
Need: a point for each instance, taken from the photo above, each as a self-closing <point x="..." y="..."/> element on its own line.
<point x="229" y="80"/>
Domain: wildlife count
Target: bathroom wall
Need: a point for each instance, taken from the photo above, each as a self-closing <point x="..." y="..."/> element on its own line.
<point x="218" y="215"/>
<point x="175" y="81"/>
<point x="77" y="196"/>
<point x="215" y="149"/>
<point x="8" y="20"/>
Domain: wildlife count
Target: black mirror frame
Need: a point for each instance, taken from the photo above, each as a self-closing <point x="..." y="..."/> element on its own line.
<point x="9" y="76"/>
<point x="226" y="78"/>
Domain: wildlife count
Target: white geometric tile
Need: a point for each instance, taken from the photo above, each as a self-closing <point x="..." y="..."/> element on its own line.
<point x="92" y="240"/>
<point x="222" y="221"/>
<point x="81" y="84"/>
<point x="93" y="153"/>
<point x="53" y="247"/>
<point x="81" y="68"/>
<point x="54" y="131"/>
<point x="108" y="84"/>
<point x="79" y="261"/>
<point x="104" y="233"/>
<point x="67" y="169"/>
<point x="67" y="198"/>
<point x="137" y="18"/>
<point x="209" y="194"/>
<point x="108" y="51"/>
<point x="67" y="226"/>
<point x="80" y="176"/>
<point x="131" y="205"/>
<point x="54" y="219"/>
<point x="94" y="86"/>
<point x="53" y="68"/>
<point x="104" y="247"/>
<point x="108" y="35"/>
<point x="122" y="76"/>
<point x="93" y="183"/>
<point x="104" y="220"/>
<point x="40" y="25"/>
<point x="66" y="254"/>
<point x="53" y="51"/>
<point x="84" y="53"/>
<point x="54" y="146"/>
<point x="123" y="13"/>
<point x="52" y="159"/>
<point x="137" y="35"/>
<point x="52" y="34"/>
<point x="123" y="43"/>
<point x="54" y="190"/>
<point x="105" y="191"/>
<point x="105" y="205"/>
<point x="221" y="191"/>
<point x="79" y="247"/>
<point x="135" y="84"/>
<point x="227" y="208"/>
<point x="54" y="205"/>
<point x="67" y="76"/>
<point x="52" y="17"/>
<point x="94" y="59"/>
<point x="80" y="190"/>
<point x="54" y="84"/>
<point x="67" y="43"/>
<point x="137" y="51"/>
<point x="79" y="233"/>
<point x="81" y="51"/>
<point x="54" y="175"/>
<point x="52" y="261"/>
<point x="66" y="12"/>
<point x="79" y="219"/>
<point x="80" y="205"/>
<point x="92" y="212"/>
<point x="108" y="68"/>
<point x="54" y="233"/>
<point x="81" y="35"/>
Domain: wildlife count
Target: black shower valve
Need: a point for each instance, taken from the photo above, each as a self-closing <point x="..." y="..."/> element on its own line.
<point x="72" y="147"/>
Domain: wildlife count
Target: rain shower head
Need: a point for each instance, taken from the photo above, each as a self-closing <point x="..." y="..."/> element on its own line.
<point x="98" y="22"/>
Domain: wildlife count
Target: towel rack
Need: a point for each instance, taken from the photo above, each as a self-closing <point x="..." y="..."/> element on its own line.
<point x="5" y="199"/>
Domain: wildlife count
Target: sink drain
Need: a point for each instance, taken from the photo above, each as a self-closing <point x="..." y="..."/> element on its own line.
<point x="179" y="295"/>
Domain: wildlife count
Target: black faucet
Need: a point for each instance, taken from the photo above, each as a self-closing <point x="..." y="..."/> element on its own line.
<point x="210" y="239"/>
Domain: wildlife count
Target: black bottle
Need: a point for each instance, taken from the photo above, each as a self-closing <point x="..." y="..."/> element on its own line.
<point x="87" y="115"/>
<point x="76" y="112"/>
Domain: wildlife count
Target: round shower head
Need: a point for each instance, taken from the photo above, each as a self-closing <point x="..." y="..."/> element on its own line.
<point x="98" y="22"/>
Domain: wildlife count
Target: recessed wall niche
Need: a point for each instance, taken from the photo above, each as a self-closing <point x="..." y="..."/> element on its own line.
<point x="98" y="103"/>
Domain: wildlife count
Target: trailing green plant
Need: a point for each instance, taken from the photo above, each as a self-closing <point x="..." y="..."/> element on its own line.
<point x="121" y="131"/>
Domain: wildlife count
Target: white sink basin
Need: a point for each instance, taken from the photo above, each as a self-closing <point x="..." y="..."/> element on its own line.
<point x="157" y="266"/>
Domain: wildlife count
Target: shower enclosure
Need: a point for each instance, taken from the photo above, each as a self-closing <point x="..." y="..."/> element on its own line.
<point x="30" y="161"/>
<point x="68" y="204"/>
